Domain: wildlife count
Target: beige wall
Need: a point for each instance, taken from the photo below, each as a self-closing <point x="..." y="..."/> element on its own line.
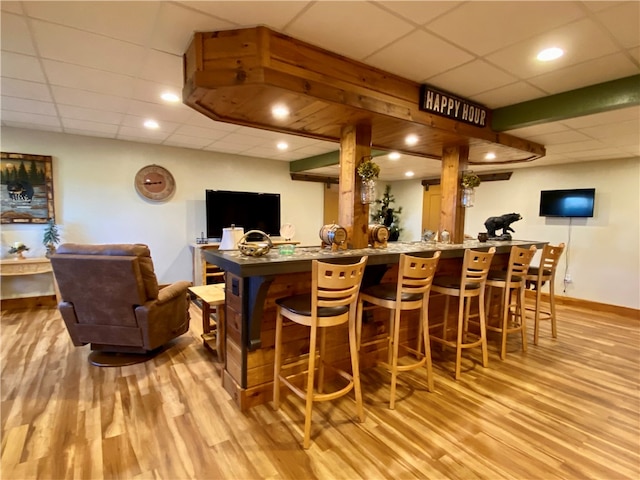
<point x="96" y="202"/>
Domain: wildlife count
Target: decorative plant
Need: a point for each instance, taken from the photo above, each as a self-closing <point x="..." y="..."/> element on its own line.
<point x="470" y="179"/>
<point x="388" y="216"/>
<point x="51" y="236"/>
<point x="18" y="247"/>
<point x="368" y="169"/>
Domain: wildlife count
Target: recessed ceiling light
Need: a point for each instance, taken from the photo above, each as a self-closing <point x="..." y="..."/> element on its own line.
<point x="490" y="156"/>
<point x="280" y="111"/>
<point x="411" y="139"/>
<point x="409" y="174"/>
<point x="151" y="124"/>
<point x="549" y="54"/>
<point x="170" y="97"/>
<point x="282" y="145"/>
<point x="394" y="156"/>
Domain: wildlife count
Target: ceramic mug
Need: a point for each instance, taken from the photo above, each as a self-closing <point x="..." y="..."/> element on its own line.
<point x="483" y="236"/>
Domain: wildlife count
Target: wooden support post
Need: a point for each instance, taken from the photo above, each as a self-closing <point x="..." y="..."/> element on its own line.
<point x="355" y="143"/>
<point x="454" y="162"/>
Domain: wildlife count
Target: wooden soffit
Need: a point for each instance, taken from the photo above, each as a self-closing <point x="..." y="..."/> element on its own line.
<point x="237" y="76"/>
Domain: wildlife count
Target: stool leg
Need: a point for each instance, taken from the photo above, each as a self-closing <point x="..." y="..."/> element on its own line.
<point x="277" y="362"/>
<point x="536" y="316"/>
<point x="359" y="324"/>
<point x="424" y="314"/>
<point x="390" y="341"/>
<point x="444" y="321"/>
<point x="461" y="322"/>
<point x="355" y="368"/>
<point x="323" y="343"/>
<point x="394" y="358"/>
<point x="552" y="306"/>
<point x="310" y="382"/>
<point x="483" y="329"/>
<point x="523" y="316"/>
<point x="506" y="294"/>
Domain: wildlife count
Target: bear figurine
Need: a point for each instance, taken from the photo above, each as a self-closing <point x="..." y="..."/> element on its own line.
<point x="502" y="222"/>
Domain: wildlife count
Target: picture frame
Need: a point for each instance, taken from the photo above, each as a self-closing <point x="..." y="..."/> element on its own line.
<point x="26" y="188"/>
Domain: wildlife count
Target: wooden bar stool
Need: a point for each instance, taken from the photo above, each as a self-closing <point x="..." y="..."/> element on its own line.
<point x="410" y="292"/>
<point x="511" y="281"/>
<point x="470" y="284"/>
<point x="332" y="301"/>
<point x="537" y="276"/>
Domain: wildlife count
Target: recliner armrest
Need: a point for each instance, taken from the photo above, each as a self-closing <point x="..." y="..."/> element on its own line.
<point x="172" y="291"/>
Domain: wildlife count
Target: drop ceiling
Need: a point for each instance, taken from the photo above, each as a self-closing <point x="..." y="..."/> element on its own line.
<point x="98" y="68"/>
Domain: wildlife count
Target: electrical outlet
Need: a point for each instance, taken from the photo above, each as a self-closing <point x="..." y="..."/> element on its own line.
<point x="567" y="278"/>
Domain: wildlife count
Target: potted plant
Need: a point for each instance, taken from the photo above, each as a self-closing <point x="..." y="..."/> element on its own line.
<point x="51" y="237"/>
<point x="368" y="171"/>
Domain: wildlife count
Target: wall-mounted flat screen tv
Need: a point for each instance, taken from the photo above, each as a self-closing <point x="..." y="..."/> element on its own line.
<point x="249" y="210"/>
<point x="577" y="202"/>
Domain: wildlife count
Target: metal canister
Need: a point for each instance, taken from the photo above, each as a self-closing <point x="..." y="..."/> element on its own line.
<point x="333" y="234"/>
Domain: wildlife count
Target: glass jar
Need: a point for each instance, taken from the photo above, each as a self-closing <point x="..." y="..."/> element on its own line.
<point x="468" y="197"/>
<point x="368" y="191"/>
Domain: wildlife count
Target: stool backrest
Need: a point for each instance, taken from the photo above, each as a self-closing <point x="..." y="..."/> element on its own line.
<point x="519" y="261"/>
<point x="549" y="260"/>
<point x="475" y="267"/>
<point x="415" y="274"/>
<point x="335" y="285"/>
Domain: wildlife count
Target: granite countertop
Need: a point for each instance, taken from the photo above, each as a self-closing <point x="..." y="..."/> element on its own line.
<point x="300" y="260"/>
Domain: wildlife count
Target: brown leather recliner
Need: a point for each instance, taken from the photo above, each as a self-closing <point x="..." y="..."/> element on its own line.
<point x="110" y="298"/>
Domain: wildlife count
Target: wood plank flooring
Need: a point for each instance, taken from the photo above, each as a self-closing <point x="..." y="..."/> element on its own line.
<point x="568" y="408"/>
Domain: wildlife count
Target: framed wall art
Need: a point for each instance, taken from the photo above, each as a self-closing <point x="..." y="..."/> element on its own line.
<point x="26" y="184"/>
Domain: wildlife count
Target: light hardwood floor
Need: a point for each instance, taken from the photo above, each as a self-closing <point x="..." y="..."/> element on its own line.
<point x="568" y="408"/>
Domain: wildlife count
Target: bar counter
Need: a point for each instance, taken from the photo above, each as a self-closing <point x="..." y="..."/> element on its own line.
<point x="254" y="283"/>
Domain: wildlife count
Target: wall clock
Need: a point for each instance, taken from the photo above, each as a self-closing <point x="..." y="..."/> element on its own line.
<point x="155" y="183"/>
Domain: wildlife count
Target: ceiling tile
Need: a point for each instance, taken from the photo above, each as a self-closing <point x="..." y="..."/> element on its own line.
<point x="12" y="87"/>
<point x="482" y="27"/>
<point x="472" y="78"/>
<point x="161" y="67"/>
<point x="226" y="147"/>
<point x="29" y="119"/>
<point x="359" y="30"/>
<point x="558" y="138"/>
<point x="105" y="128"/>
<point x="28" y="106"/>
<point x="621" y="129"/>
<point x="128" y="21"/>
<point x="186" y="141"/>
<point x="88" y="114"/>
<point x="604" y="118"/>
<point x="251" y="13"/>
<point x="622" y="21"/>
<point x="12" y="7"/>
<point x="581" y="41"/>
<point x="142" y="133"/>
<point x="88" y="79"/>
<point x="508" y="95"/>
<point x="609" y="67"/>
<point x="161" y="113"/>
<point x="425" y="62"/>
<point x="165" y="128"/>
<point x="89" y="133"/>
<point x="15" y="35"/>
<point x="97" y="101"/>
<point x="208" y="134"/>
<point x="15" y="65"/>
<point x="73" y="46"/>
<point x="176" y="25"/>
<point x="419" y="12"/>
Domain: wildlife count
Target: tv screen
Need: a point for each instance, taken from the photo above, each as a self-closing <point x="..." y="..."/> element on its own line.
<point x="249" y="210"/>
<point x="567" y="203"/>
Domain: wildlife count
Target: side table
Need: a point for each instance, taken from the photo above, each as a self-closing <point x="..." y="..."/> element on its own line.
<point x="213" y="335"/>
